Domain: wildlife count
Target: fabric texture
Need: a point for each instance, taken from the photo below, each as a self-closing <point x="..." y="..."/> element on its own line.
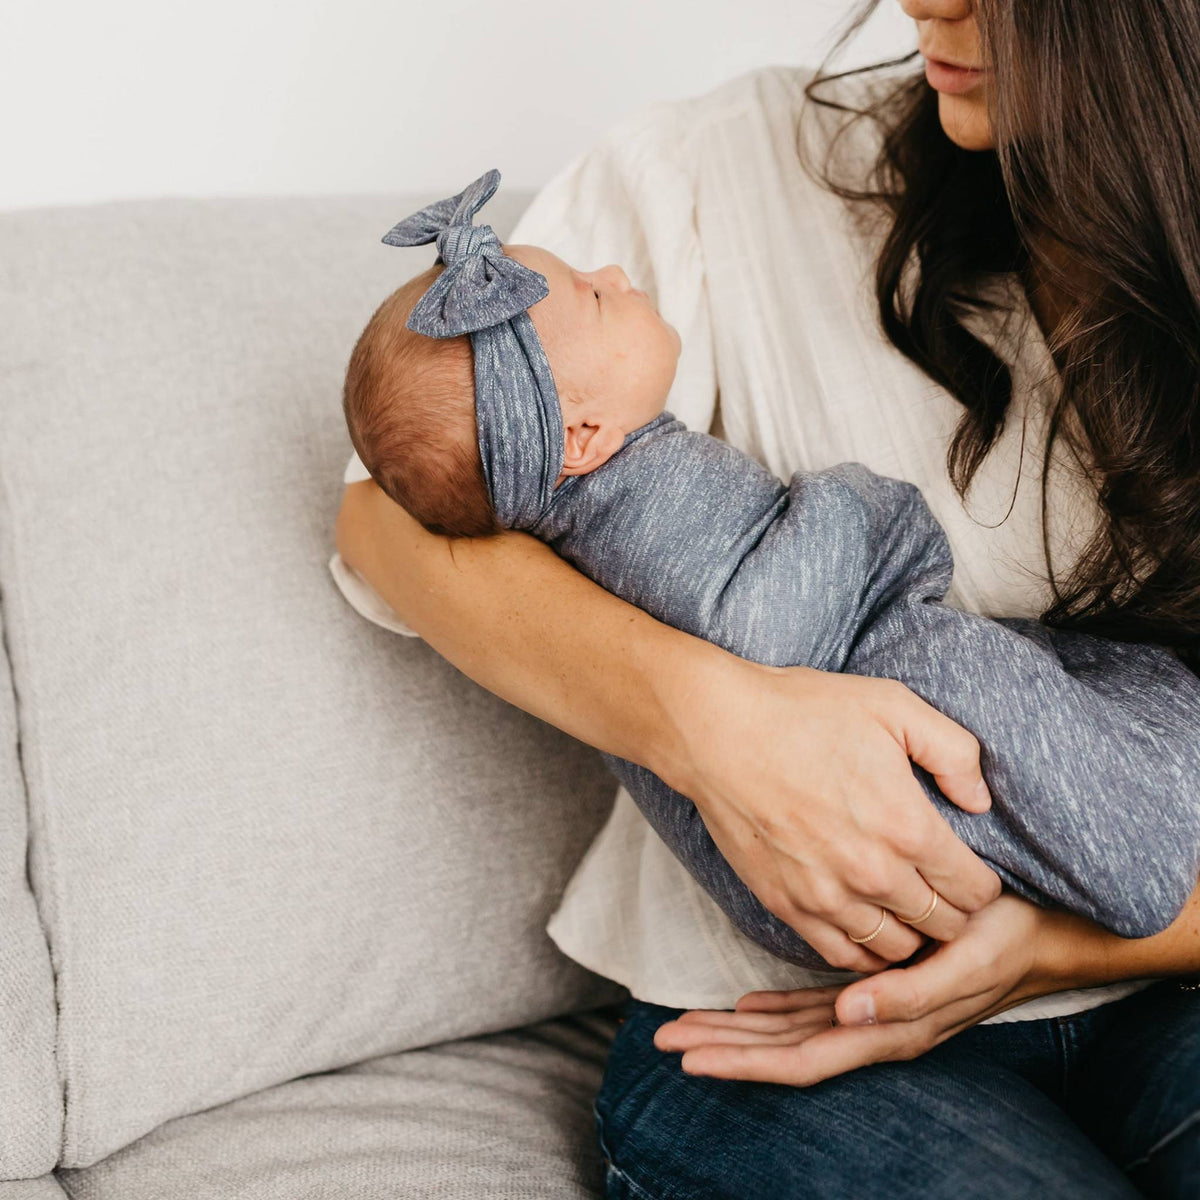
<point x="264" y="834"/>
<point x="484" y="293"/>
<point x="506" y="1116"/>
<point x="31" y="1100"/>
<point x="768" y="278"/>
<point x="43" y="1187"/>
<point x="1094" y="774"/>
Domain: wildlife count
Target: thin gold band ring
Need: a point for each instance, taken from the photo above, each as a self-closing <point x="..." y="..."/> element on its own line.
<point x="883" y="912"/>
<point x="925" y="915"/>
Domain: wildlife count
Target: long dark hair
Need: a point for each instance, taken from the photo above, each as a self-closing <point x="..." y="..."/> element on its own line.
<point x="1097" y="165"/>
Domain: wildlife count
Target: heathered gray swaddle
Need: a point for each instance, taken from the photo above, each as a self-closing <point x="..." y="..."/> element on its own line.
<point x="1091" y="747"/>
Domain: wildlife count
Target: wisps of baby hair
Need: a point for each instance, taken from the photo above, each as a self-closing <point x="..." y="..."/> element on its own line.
<point x="409" y="403"/>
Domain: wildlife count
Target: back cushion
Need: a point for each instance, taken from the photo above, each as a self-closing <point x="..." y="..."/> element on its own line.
<point x="30" y="1097"/>
<point x="270" y="837"/>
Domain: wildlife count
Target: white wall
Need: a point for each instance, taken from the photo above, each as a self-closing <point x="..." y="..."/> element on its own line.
<point x="104" y="99"/>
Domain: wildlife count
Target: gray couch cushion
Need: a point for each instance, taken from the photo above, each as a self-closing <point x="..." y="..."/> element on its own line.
<point x="270" y="837"/>
<point x="502" y="1117"/>
<point x="44" y="1187"/>
<point x="30" y="1098"/>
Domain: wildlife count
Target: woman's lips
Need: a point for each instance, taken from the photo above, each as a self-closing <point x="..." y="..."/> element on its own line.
<point x="944" y="77"/>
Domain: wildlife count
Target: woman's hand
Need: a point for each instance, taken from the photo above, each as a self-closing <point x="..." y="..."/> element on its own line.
<point x="803" y="779"/>
<point x="1008" y="952"/>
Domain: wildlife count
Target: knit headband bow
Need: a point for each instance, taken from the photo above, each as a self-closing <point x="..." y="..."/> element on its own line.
<point x="484" y="293"/>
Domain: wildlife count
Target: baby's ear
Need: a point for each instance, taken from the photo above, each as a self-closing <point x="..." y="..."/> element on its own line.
<point x="587" y="445"/>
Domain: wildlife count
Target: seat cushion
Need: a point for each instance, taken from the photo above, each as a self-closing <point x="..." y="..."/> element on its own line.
<point x="502" y="1117"/>
<point x="270" y="838"/>
<point x="43" y="1187"/>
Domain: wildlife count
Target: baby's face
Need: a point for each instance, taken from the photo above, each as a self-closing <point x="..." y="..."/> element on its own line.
<point x="612" y="356"/>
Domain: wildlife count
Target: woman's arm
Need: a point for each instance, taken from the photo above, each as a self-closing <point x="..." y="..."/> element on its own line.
<point x="1078" y="953"/>
<point x="802" y="777"/>
<point x="524" y="624"/>
<point x="1010" y="952"/>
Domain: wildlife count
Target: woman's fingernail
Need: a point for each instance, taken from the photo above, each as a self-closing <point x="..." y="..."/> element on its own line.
<point x="981" y="790"/>
<point x="859" y="1009"/>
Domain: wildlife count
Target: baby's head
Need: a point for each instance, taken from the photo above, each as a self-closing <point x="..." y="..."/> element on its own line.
<point x="409" y="399"/>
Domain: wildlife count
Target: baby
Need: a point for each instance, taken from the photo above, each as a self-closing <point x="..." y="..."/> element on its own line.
<point x="550" y="418"/>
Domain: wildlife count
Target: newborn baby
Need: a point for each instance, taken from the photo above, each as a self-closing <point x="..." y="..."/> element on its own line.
<point x="550" y="419"/>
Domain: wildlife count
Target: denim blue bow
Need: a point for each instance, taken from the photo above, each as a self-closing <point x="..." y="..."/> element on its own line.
<point x="484" y="293"/>
<point x="481" y="285"/>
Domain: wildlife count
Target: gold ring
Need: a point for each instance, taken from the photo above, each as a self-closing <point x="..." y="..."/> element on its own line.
<point x="925" y="915"/>
<point x="883" y="912"/>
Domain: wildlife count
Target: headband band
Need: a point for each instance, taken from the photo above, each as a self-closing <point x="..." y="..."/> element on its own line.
<point x="484" y="293"/>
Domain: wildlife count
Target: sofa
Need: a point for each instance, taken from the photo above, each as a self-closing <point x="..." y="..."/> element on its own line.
<point x="273" y="880"/>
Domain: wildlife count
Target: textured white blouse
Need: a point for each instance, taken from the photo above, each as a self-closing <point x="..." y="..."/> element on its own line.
<point x="768" y="278"/>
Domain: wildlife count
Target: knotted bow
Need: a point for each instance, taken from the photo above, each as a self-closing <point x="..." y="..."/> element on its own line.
<point x="484" y="293"/>
<point x="481" y="285"/>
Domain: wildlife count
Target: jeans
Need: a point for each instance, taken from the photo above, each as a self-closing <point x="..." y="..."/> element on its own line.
<point x="1097" y="1104"/>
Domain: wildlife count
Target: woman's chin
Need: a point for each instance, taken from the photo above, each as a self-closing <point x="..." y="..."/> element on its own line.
<point x="965" y="121"/>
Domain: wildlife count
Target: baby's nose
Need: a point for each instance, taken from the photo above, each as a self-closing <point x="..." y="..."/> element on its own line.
<point x="617" y="277"/>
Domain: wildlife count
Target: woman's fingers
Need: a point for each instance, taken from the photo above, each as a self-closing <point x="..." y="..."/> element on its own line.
<point x="799" y="1063"/>
<point x="683" y="1035"/>
<point x="950" y="754"/>
<point x="945" y="749"/>
<point x="921" y="990"/>
<point x="846" y="915"/>
<point x="910" y="895"/>
<point x="960" y="876"/>
<point x="823" y="1051"/>
<point x="832" y="944"/>
<point x="991" y="955"/>
<point x="759" y="1022"/>
<point x="775" y="1001"/>
<point x="894" y="940"/>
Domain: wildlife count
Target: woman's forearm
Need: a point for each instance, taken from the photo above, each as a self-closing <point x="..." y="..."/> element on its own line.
<point x="525" y="624"/>
<point x="1080" y="953"/>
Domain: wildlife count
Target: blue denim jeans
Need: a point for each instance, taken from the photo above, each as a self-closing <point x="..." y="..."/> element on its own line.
<point x="1098" y="1104"/>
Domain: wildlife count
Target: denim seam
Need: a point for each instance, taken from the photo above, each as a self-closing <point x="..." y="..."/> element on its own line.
<point x="1162" y="1142"/>
<point x="1064" y="1036"/>
<point x="629" y="1183"/>
<point x="610" y="1165"/>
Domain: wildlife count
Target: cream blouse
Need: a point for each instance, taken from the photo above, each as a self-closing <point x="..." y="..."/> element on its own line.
<point x="768" y="278"/>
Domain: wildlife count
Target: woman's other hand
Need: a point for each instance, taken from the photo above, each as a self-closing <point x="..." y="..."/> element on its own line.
<point x="1008" y="952"/>
<point x="803" y="779"/>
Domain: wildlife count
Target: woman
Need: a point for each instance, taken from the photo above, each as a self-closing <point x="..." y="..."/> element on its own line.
<point x="1048" y="173"/>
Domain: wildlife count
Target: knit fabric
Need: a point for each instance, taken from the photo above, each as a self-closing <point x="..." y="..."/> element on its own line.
<point x="484" y="293"/>
<point x="1088" y="744"/>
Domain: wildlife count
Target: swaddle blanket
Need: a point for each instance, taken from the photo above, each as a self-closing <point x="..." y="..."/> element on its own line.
<point x="1090" y="747"/>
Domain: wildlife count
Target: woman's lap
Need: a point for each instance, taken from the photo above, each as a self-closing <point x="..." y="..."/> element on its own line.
<point x="1137" y="1091"/>
<point x="998" y="1111"/>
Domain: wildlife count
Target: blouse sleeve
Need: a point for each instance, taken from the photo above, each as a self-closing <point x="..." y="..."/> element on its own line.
<point x="629" y="200"/>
